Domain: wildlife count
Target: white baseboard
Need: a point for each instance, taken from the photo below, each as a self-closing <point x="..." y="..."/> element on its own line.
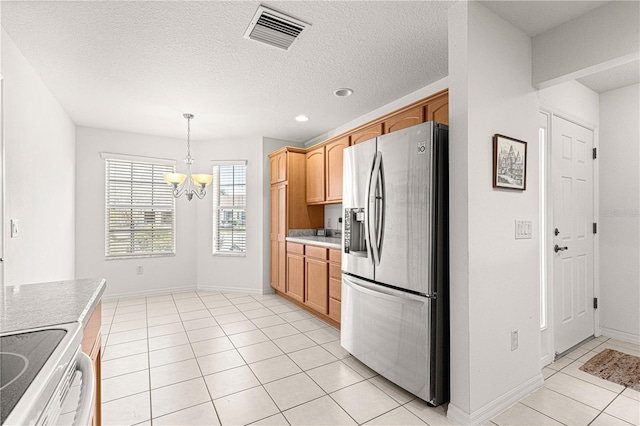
<point x="159" y="292"/>
<point x="620" y="335"/>
<point x="546" y="360"/>
<point x="496" y="406"/>
<point x="223" y="289"/>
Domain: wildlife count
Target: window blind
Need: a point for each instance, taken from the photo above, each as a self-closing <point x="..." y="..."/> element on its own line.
<point x="229" y="189"/>
<point x="140" y="209"/>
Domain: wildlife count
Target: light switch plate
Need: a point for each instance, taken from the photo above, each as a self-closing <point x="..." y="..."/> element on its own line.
<point x="523" y="229"/>
<point x="15" y="229"/>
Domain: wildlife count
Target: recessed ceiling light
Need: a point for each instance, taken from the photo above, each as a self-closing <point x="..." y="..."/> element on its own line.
<point x="343" y="92"/>
<point x="302" y="118"/>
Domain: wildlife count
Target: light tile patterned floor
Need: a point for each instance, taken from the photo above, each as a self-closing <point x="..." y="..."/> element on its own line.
<point x="204" y="358"/>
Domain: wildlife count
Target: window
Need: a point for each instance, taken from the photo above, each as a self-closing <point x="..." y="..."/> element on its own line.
<point x="140" y="208"/>
<point x="229" y="189"/>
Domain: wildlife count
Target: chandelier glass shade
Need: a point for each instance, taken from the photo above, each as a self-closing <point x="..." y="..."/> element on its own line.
<point x="189" y="184"/>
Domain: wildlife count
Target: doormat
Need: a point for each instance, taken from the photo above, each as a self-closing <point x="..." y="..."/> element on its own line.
<point x="615" y="367"/>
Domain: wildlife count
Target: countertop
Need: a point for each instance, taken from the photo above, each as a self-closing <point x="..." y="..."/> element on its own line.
<point x="329" y="242"/>
<point x="39" y="305"/>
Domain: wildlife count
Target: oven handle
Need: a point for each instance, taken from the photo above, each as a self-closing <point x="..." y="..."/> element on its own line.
<point x="84" y="410"/>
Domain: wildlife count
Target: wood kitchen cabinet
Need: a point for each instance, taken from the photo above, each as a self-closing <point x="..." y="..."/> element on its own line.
<point x="404" y="119"/>
<point x="366" y="133"/>
<point x="324" y="172"/>
<point x="333" y="169"/>
<point x="315" y="175"/>
<point x="92" y="346"/>
<point x="295" y="271"/>
<point x="438" y="109"/>
<point x="316" y="279"/>
<point x="288" y="208"/>
<point x="335" y="284"/>
<point x="278" y="167"/>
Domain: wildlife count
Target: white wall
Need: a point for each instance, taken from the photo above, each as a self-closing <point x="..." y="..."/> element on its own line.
<point x="598" y="40"/>
<point x="234" y="273"/>
<point x="619" y="157"/>
<point x="494" y="278"/>
<point x="573" y="101"/>
<point x="161" y="274"/>
<point x="39" y="176"/>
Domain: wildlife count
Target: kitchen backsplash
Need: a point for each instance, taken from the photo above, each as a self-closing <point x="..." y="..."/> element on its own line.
<point x="332" y="212"/>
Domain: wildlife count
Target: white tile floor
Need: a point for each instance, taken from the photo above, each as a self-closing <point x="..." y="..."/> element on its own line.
<point x="203" y="358"/>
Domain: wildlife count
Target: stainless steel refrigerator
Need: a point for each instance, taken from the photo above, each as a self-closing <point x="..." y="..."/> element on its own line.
<point x="395" y="259"/>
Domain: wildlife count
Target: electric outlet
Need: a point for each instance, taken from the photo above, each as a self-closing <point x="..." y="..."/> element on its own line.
<point x="140" y="270"/>
<point x="514" y="340"/>
<point x="15" y="229"/>
<point x="328" y="223"/>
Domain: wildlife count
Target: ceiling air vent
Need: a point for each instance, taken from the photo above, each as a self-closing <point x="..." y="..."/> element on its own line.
<point x="274" y="28"/>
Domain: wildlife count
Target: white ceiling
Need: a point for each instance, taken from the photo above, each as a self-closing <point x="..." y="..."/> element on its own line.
<point x="537" y="16"/>
<point x="138" y="65"/>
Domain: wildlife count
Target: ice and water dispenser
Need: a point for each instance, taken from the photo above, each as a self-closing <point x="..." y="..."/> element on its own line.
<point x="354" y="232"/>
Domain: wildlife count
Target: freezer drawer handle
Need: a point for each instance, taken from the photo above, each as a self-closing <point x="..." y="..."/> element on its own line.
<point x="380" y="292"/>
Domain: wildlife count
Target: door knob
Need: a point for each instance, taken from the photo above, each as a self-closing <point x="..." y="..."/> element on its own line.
<point x="557" y="248"/>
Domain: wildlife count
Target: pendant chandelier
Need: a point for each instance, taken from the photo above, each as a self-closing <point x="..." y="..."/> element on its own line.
<point x="188" y="184"/>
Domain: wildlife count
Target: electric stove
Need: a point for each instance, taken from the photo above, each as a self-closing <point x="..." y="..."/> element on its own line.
<point x="35" y="365"/>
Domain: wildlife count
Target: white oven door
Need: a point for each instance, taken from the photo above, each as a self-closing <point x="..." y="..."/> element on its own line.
<point x="72" y="404"/>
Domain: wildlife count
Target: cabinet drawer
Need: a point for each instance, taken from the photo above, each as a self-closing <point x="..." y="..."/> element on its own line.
<point x="335" y="256"/>
<point x="335" y="271"/>
<point x="334" y="309"/>
<point x="317" y="252"/>
<point x="334" y="288"/>
<point x="296" y="248"/>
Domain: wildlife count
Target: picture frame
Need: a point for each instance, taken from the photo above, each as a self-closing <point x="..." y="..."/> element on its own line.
<point x="509" y="163"/>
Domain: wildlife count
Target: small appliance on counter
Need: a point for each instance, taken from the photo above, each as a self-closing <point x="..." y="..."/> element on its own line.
<point x="395" y="260"/>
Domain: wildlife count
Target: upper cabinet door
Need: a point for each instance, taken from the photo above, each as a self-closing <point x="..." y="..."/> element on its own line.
<point x="333" y="169"/>
<point x="367" y="133"/>
<point x="405" y="119"/>
<point x="315" y="175"/>
<point x="279" y="167"/>
<point x="438" y="110"/>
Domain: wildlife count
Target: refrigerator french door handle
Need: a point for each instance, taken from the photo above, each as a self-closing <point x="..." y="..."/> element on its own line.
<point x="380" y="209"/>
<point x="372" y="210"/>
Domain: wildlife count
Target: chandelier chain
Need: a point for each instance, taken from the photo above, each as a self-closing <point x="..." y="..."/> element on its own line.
<point x="189" y="137"/>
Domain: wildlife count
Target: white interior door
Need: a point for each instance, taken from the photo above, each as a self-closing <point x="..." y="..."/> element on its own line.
<point x="573" y="268"/>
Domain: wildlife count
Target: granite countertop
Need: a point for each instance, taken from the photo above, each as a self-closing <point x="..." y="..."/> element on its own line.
<point x="39" y="305"/>
<point x="329" y="242"/>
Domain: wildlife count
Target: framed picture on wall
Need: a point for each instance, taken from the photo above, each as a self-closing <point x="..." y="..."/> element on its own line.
<point x="509" y="163"/>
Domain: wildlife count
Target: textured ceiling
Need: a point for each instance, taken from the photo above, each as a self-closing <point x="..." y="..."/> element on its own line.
<point x="537" y="16"/>
<point x="623" y="75"/>
<point x="137" y="66"/>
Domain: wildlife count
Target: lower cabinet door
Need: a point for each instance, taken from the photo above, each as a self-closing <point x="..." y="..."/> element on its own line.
<point x="334" y="309"/>
<point x="317" y="278"/>
<point x="295" y="277"/>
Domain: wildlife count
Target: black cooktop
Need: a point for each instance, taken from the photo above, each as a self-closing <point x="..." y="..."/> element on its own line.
<point x="22" y="355"/>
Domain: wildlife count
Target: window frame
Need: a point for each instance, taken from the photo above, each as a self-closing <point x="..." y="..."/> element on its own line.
<point x="215" y="189"/>
<point x="141" y="210"/>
